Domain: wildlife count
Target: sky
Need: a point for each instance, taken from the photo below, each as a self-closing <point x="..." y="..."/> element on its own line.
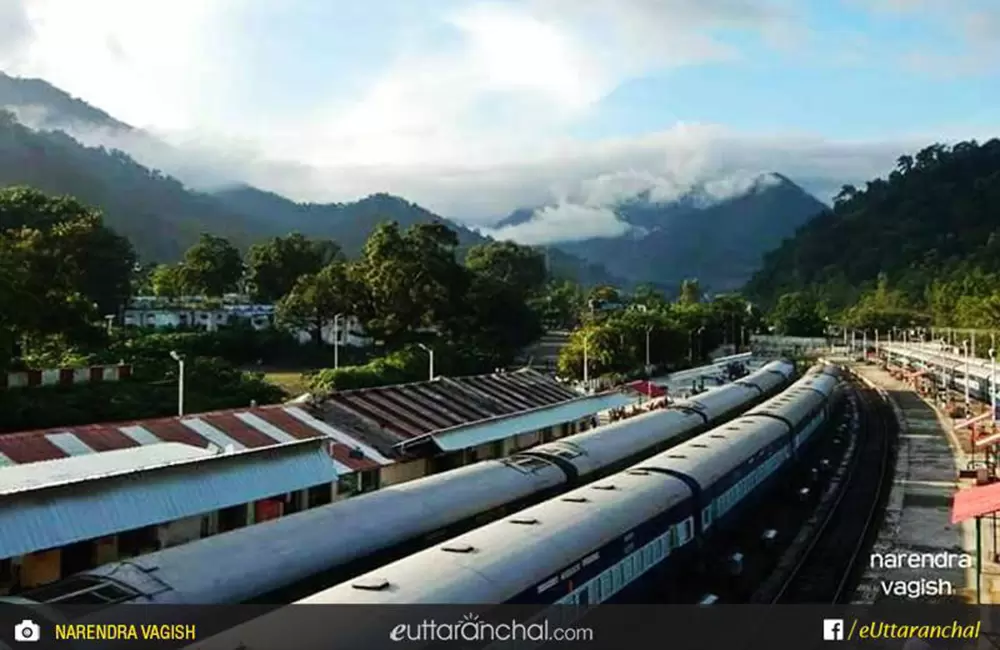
<point x="474" y="109"/>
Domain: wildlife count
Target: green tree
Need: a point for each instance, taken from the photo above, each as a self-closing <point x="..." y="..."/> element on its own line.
<point x="690" y="292"/>
<point x="167" y="280"/>
<point x="316" y="299"/>
<point x="411" y="281"/>
<point x="63" y="268"/>
<point x="797" y="314"/>
<point x="520" y="269"/>
<point x="273" y="267"/>
<point x="561" y="304"/>
<point x="212" y="267"/>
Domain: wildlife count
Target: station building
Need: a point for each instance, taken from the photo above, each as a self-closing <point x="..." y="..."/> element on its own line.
<point x="76" y="497"/>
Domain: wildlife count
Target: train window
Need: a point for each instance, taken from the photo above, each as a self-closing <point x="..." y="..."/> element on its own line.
<point x="616" y="577"/>
<point x="627" y="570"/>
<point x="606" y="585"/>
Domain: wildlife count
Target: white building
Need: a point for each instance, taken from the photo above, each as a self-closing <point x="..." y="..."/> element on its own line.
<point x="195" y="311"/>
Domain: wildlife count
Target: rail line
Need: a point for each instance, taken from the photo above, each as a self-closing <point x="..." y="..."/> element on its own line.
<point x="828" y="566"/>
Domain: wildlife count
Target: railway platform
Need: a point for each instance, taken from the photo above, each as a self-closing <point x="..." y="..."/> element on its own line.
<point x="919" y="554"/>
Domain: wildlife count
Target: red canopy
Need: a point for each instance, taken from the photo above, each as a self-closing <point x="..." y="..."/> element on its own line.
<point x="975" y="502"/>
<point x="647" y="388"/>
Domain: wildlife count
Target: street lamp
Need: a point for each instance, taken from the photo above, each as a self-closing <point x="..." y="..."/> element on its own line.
<point x="965" y="349"/>
<point x="586" y="340"/>
<point x="110" y="318"/>
<point x="993" y="379"/>
<point x="648" y="330"/>
<point x="336" y="341"/>
<point x="179" y="358"/>
<point x="430" y="354"/>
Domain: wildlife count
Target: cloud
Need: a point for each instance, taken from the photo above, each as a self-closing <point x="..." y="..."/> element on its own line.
<point x="564" y="222"/>
<point x="15" y="28"/>
<point x="470" y="114"/>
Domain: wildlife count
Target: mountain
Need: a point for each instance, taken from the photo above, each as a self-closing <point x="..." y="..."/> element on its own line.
<point x="932" y="222"/>
<point x="719" y="241"/>
<point x="162" y="216"/>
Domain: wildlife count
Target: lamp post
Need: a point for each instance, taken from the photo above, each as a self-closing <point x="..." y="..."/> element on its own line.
<point x="179" y="358"/>
<point x="586" y="342"/>
<point x="110" y="319"/>
<point x="336" y="341"/>
<point x="965" y="349"/>
<point x="430" y="354"/>
<point x="648" y="330"/>
<point x="993" y="379"/>
<point x="993" y="417"/>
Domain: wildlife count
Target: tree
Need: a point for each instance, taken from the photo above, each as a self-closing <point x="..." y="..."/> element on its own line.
<point x="561" y="304"/>
<point x="316" y="299"/>
<point x="519" y="268"/>
<point x="212" y="267"/>
<point x="690" y="292"/>
<point x="275" y="266"/>
<point x="65" y="268"/>
<point x="167" y="280"/>
<point x="649" y="297"/>
<point x="797" y="314"/>
<point x="411" y="281"/>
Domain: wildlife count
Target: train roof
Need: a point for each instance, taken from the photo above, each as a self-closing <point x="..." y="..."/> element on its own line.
<point x="497" y="561"/>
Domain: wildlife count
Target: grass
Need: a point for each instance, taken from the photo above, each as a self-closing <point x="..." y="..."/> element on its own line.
<point x="292" y="382"/>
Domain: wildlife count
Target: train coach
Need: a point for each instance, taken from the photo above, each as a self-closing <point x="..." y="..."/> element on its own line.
<point x="284" y="559"/>
<point x="606" y="541"/>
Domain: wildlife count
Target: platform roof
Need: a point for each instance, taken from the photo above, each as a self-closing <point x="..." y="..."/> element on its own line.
<point x="60" y="512"/>
<point x="975" y="502"/>
<point x="502" y="427"/>
<point x="408" y="411"/>
<point x="236" y="429"/>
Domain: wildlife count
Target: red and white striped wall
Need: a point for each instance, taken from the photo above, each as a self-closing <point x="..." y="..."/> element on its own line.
<point x="64" y="376"/>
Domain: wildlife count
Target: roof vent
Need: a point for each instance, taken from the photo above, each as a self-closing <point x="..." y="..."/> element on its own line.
<point x="357" y="453"/>
<point x="716" y="435"/>
<point x="458" y="548"/>
<point x="576" y="499"/>
<point x="371" y="584"/>
<point x="676" y="456"/>
<point x="605" y="486"/>
<point x="524" y="521"/>
<point x="700" y="446"/>
<point x="637" y="472"/>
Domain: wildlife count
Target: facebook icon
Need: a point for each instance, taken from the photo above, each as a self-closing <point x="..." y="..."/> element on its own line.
<point x="833" y="629"/>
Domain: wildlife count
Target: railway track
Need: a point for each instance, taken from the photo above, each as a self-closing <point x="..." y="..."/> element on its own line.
<point x="828" y="567"/>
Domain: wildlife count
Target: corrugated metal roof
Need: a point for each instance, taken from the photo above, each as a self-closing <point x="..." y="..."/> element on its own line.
<point x="66" y="515"/>
<point x="237" y="429"/>
<point x="514" y="425"/>
<point x="411" y="410"/>
<point x="20" y="478"/>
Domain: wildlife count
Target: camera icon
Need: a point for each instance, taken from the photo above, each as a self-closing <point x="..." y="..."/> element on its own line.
<point x="27" y="631"/>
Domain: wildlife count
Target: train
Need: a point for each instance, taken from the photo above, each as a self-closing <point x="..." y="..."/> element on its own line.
<point x="948" y="371"/>
<point x="601" y="543"/>
<point x="607" y="542"/>
<point x="284" y="559"/>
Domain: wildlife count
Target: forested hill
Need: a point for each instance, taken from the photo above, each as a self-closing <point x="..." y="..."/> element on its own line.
<point x="928" y="227"/>
<point x="163" y="218"/>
